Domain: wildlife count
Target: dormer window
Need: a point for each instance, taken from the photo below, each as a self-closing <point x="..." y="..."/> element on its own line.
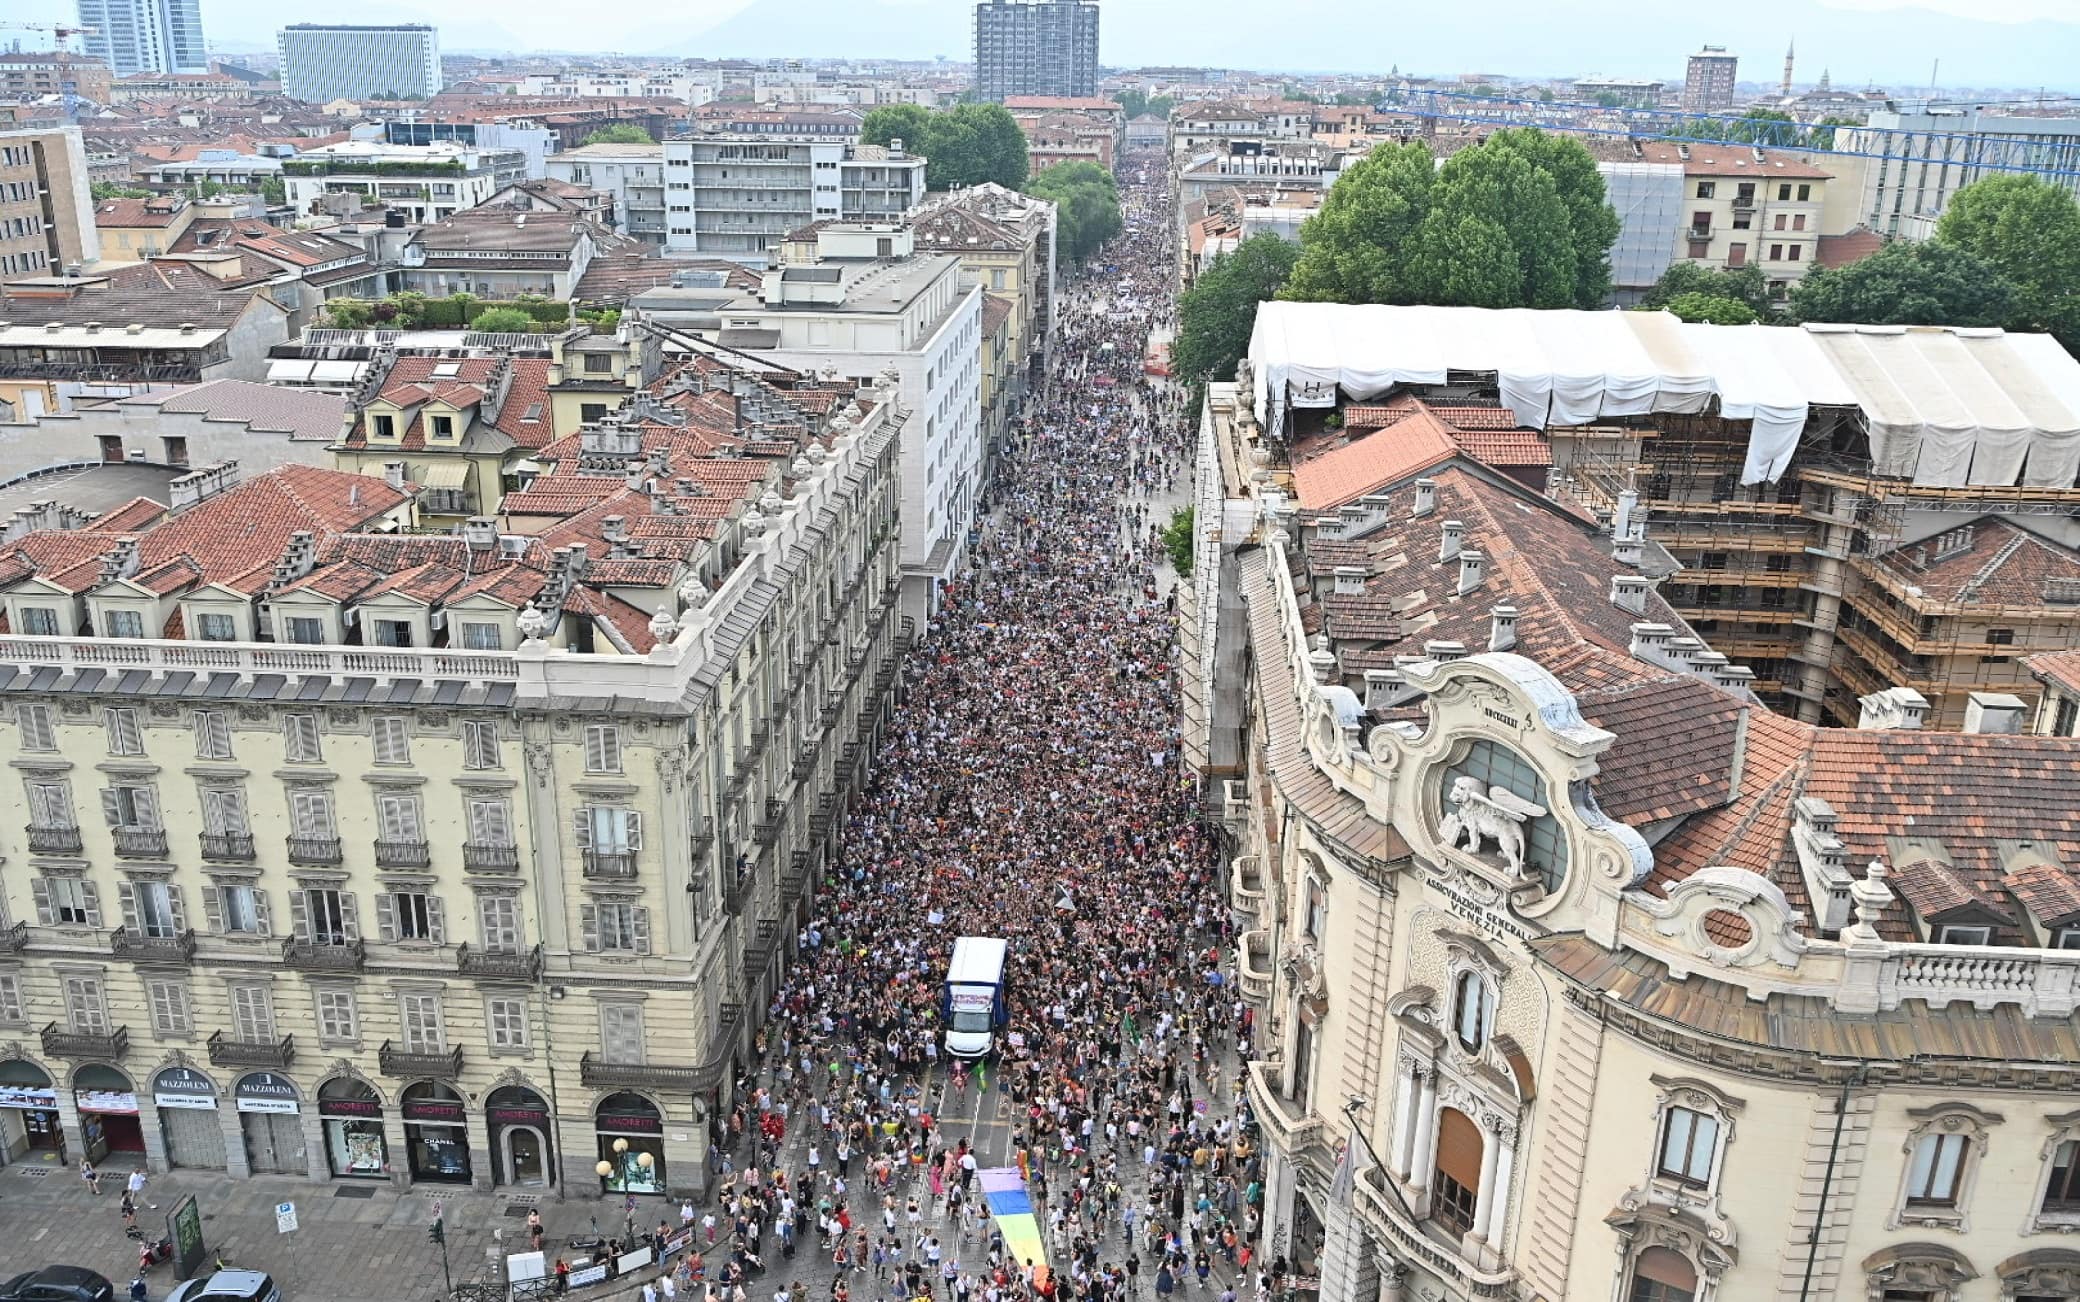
<point x="216" y="626"/>
<point x="393" y="632"/>
<point x="39" y="621"/>
<point x="443" y="427"/>
<point x="382" y="427"/>
<point x="1964" y="935"/>
<point x="306" y="629"/>
<point x="122" y="623"/>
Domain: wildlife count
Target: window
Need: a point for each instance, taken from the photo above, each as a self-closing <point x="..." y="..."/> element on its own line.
<point x="393" y="739"/>
<point x="1781" y="222"/>
<point x="122" y="623"/>
<point x="490" y="822"/>
<point x="1458" y="1176"/>
<point x="65" y="902"/>
<point x="308" y="630"/>
<point x="1662" y="1275"/>
<point x="2066" y="938"/>
<point x="1798" y="221"/>
<point x="615" y="927"/>
<point x="507" y="1018"/>
<point x="591" y="413"/>
<point x="385" y="427"/>
<point x="2000" y="637"/>
<point x="235" y="909"/>
<point x="1545" y="844"/>
<point x="169" y="1005"/>
<point x="603" y="748"/>
<point x="310" y="814"/>
<point x="338" y="1019"/>
<point x="1473" y="1017"/>
<point x="409" y="915"/>
<point x="608" y="829"/>
<point x="37" y="733"/>
<point x="39" y="621"/>
<point x="444" y="427"/>
<point x="420" y="1015"/>
<point x="621" y="1033"/>
<point x="130" y="808"/>
<point x="212" y="735"/>
<point x="498" y="919"/>
<point x="479" y="744"/>
<point x="1706" y="189"/>
<point x="1953" y="935"/>
<point x="1794" y="252"/>
<point x="224" y="811"/>
<point x="252" y="1014"/>
<point x="125" y="737"/>
<point x="10" y="998"/>
<point x="996" y="278"/>
<point x="398" y="818"/>
<point x="85" y="1010"/>
<point x="1689" y="1139"/>
<point x="300" y="738"/>
<point x="2062" y="1193"/>
<point x="1934" y="1173"/>
<point x="1776" y="253"/>
<point x="1737" y="255"/>
<point x="393" y="632"/>
<point x="153" y="909"/>
<point x="324" y="916"/>
<point x="482" y="637"/>
<point x="598" y="364"/>
<point x="1805" y="192"/>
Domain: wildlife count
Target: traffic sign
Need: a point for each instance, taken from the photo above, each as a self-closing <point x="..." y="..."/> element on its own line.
<point x="284" y="1217"/>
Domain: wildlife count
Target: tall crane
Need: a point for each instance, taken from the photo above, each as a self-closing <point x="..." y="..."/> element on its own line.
<point x="58" y="30"/>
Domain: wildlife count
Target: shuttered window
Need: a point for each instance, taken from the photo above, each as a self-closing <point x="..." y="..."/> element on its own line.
<point x="301" y="738"/>
<point x="224" y="811"/>
<point x="400" y="817"/>
<point x="169" y="1001"/>
<point x="410" y="915"/>
<point x="310" y="813"/>
<point x="1458" y="1169"/>
<point x="85" y="1010"/>
<point x="1660" y="1275"/>
<point x="393" y="739"/>
<point x="621" y="1033"/>
<point x="490" y="822"/>
<point x="507" y="1019"/>
<point x="603" y="748"/>
<point x="421" y="1016"/>
<point x="612" y="926"/>
<point x="10" y="998"/>
<point x="125" y="736"/>
<point x="50" y="805"/>
<point x="212" y="735"/>
<point x="252" y="1014"/>
<point x="35" y="721"/>
<point x="498" y="918"/>
<point x="337" y="1016"/>
<point x="480" y="744"/>
<point x="130" y="807"/>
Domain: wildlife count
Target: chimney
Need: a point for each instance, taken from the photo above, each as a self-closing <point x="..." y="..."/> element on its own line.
<point x="1502" y="628"/>
<point x="480" y="532"/>
<point x="1893" y="709"/>
<point x="637" y="472"/>
<point x="1350" y="581"/>
<point x="1710" y="666"/>
<point x="121" y="560"/>
<point x="1650" y="642"/>
<point x="1471" y="570"/>
<point x="1628" y="549"/>
<point x="1629" y="593"/>
<point x="1444" y="652"/>
<point x="1993" y="712"/>
<point x="1682" y="651"/>
<point x="1382" y="688"/>
<point x="393" y="473"/>
<point x="1448" y="540"/>
<point x="614" y="529"/>
<point x="1621" y="523"/>
<point x="1426" y="497"/>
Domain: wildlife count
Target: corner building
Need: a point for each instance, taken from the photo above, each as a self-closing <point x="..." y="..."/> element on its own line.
<point x="444" y="858"/>
<point x="1580" y="974"/>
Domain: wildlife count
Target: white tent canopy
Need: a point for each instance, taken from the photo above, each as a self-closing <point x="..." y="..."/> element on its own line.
<point x="1945" y="407"/>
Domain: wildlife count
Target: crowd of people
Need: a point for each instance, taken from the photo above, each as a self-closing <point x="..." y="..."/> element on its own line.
<point x="1029" y="787"/>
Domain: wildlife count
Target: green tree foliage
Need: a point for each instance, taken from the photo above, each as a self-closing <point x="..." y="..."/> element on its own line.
<point x="1178" y="540"/>
<point x="1216" y="315"/>
<point x="502" y="321"/>
<point x="619" y="133"/>
<point x="1519" y="221"/>
<point x="1136" y="102"/>
<point x="964" y="145"/>
<point x="273" y="190"/>
<point x="1742" y="284"/>
<point x="349" y="313"/>
<point x="1717" y="311"/>
<point x="110" y="190"/>
<point x="1908" y="284"/>
<point x="2029" y="229"/>
<point x="1089" y="206"/>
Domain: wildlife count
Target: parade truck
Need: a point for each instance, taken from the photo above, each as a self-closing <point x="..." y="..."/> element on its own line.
<point x="974" y="1005"/>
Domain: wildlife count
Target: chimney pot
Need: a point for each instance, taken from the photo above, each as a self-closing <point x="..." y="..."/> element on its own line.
<point x="1472" y="570"/>
<point x="1448" y="540"/>
<point x="1426" y="496"/>
<point x="1993" y="712"/>
<point x="1629" y="593"/>
<point x="1502" y="628"/>
<point x="1350" y="581"/>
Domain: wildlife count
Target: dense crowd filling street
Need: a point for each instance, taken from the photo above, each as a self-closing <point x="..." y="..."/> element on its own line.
<point x="1028" y="788"/>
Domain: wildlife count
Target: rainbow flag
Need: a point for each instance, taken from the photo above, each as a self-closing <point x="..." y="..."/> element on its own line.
<point x="1012" y="1210"/>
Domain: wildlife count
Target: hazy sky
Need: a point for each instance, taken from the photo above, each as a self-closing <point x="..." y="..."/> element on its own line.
<point x="2021" y="43"/>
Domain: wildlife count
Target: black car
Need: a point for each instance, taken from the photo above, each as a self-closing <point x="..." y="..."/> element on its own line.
<point x="58" y="1284"/>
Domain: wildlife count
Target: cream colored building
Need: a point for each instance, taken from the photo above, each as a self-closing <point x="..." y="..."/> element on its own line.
<point x="354" y="853"/>
<point x="1579" y="974"/>
<point x="1748" y="207"/>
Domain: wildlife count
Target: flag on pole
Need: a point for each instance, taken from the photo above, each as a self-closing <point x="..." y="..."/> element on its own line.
<point x="1344" y="1177"/>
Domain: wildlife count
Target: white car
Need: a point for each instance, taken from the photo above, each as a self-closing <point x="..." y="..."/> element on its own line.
<point x="228" y="1286"/>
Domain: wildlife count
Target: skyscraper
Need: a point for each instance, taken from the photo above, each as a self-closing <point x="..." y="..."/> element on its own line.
<point x="1708" y="84"/>
<point x="322" y="62"/>
<point x="1044" y="48"/>
<point x="133" y="36"/>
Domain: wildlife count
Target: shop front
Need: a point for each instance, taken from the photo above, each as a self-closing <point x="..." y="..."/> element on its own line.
<point x="29" y="1113"/>
<point x="630" y="1133"/>
<point x="108" y="1121"/>
<point x="187" y="1103"/>
<point x="436" y="1133"/>
<point x="351" y="1115"/>
<point x="518" y="1121"/>
<point x="270" y="1120"/>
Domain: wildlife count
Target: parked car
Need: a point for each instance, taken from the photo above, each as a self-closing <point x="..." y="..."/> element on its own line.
<point x="227" y="1286"/>
<point x="58" y="1284"/>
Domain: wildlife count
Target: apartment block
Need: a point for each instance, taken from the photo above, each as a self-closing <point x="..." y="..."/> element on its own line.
<point x="360" y="852"/>
<point x="322" y="62"/>
<point x="633" y="176"/>
<point x="736" y="195"/>
<point x="1747" y="207"/>
<point x="141" y="36"/>
<point x="1709" y="79"/>
<point x="427" y="183"/>
<point x="28" y="76"/>
<point x="46" y="204"/>
<point x="1036" y="47"/>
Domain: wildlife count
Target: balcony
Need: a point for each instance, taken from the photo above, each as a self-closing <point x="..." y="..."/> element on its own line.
<point x="610" y="863"/>
<point x="392" y="1061"/>
<point x="54" y="840"/>
<point x="251" y="1053"/>
<point x="1254" y="966"/>
<point x="596" y="1073"/>
<point x="140" y="948"/>
<point x="15" y="939"/>
<point x="314" y="851"/>
<point x="1698" y="234"/>
<point x="140" y="842"/>
<point x="228" y="847"/>
<point x="324" y="956"/>
<point x="111" y="1045"/>
<point x="737" y="894"/>
<point x="703" y="835"/>
<point x="403" y="854"/>
<point x="499" y="964"/>
<point x="490" y="858"/>
<point x="1246" y="887"/>
<point x="758" y="949"/>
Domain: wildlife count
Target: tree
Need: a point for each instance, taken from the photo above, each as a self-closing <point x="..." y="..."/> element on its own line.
<point x="969" y="144"/>
<point x="1742" y="284"/>
<point x="1178" y="540"/>
<point x="619" y="133"/>
<point x="349" y="313"/>
<point x="273" y="190"/>
<point x="1357" y="248"/>
<point x="2029" y="229"/>
<point x="1717" y="311"/>
<point x="1908" y="284"/>
<point x="1592" y="222"/>
<point x="1217" y="314"/>
<point x="502" y="321"/>
<point x="909" y="123"/>
<point x="1088" y="202"/>
<point x="110" y="190"/>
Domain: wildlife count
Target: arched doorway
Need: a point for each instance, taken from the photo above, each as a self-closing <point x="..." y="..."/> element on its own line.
<point x="270" y="1118"/>
<point x="1662" y="1275"/>
<point x="1456" y="1193"/>
<point x="187" y="1103"/>
<point x="29" y="1112"/>
<point x="436" y="1133"/>
<point x="630" y="1131"/>
<point x="518" y="1120"/>
<point x="352" y="1112"/>
<point x="107" y="1105"/>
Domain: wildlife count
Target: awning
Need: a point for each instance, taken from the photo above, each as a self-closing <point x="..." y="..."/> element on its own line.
<point x="444" y="474"/>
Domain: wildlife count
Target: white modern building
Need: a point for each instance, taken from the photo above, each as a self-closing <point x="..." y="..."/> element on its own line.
<point x="692" y="86"/>
<point x="322" y="62"/>
<point x="632" y="174"/>
<point x="429" y="183"/>
<point x="737" y="195"/>
<point x="133" y="36"/>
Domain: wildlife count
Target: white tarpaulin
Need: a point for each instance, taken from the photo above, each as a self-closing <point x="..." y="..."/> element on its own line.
<point x="1944" y="407"/>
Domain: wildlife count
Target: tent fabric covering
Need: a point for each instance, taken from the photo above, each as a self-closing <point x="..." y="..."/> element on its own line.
<point x="1945" y="407"/>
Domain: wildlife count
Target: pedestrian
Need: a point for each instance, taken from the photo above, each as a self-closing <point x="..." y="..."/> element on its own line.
<point x="91" y="1176"/>
<point x="135" y="1187"/>
<point x="563" y="1277"/>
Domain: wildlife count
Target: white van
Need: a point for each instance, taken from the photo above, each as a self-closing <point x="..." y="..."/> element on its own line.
<point x="974" y="1005"/>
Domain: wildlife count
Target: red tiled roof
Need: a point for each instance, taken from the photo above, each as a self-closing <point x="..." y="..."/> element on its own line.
<point x="1841" y="250"/>
<point x="1368" y="463"/>
<point x="1740" y="161"/>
